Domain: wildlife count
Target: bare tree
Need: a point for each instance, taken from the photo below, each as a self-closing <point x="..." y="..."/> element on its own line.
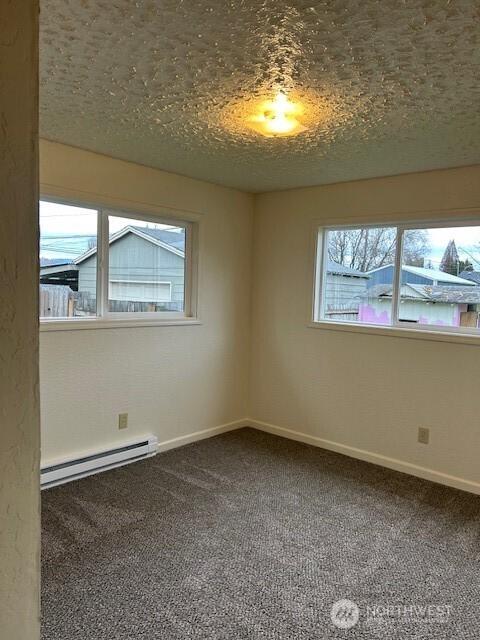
<point x="370" y="248"/>
<point x="415" y="247"/>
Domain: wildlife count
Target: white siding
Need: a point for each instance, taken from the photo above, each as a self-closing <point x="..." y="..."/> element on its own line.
<point x="342" y="296"/>
<point x="133" y="259"/>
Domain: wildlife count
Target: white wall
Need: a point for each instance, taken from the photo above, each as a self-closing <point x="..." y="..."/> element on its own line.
<point x="19" y="419"/>
<point x="173" y="380"/>
<point x="368" y="392"/>
<point x="363" y="394"/>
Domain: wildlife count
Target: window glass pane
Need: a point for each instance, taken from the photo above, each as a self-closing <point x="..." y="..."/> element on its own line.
<point x="146" y="266"/>
<point x="359" y="275"/>
<point x="440" y="277"/>
<point x="68" y="265"/>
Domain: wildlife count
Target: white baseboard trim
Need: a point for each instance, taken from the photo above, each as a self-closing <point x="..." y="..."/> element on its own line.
<point x="201" y="435"/>
<point x="368" y="456"/>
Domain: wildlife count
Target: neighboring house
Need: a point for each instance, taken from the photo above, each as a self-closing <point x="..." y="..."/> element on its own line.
<point x="343" y="292"/>
<point x="58" y="271"/>
<point x="146" y="271"/>
<point x="474" y="276"/>
<point x="416" y="275"/>
<point x="427" y="296"/>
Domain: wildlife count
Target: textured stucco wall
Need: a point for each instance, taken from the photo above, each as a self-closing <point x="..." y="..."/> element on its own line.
<point x="172" y="380"/>
<point x="19" y="428"/>
<point x="369" y="392"/>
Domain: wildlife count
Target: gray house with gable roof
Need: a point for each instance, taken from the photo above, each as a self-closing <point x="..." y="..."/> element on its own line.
<point x="145" y="266"/>
<point x="146" y="272"/>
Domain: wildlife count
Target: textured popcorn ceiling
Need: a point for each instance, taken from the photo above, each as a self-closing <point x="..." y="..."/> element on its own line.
<point x="389" y="86"/>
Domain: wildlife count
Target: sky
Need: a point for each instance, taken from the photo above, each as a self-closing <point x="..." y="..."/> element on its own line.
<point x="65" y="230"/>
<point x="467" y="240"/>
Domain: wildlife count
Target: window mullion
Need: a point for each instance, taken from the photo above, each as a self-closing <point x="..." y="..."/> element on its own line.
<point x="322" y="266"/>
<point x="397" y="276"/>
<point x="187" y="282"/>
<point x="102" y="264"/>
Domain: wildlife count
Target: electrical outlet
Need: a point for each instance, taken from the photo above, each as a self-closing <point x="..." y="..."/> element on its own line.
<point x="122" y="420"/>
<point x="423" y="435"/>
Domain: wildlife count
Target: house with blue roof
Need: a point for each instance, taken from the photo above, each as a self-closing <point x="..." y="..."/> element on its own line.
<point x="417" y="275"/>
<point x="427" y="296"/>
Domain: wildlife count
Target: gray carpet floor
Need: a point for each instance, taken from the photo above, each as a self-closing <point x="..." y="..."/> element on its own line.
<point x="249" y="536"/>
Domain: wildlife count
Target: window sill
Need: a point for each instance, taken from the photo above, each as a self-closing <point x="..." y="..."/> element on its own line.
<point x="98" y="323"/>
<point x="398" y="332"/>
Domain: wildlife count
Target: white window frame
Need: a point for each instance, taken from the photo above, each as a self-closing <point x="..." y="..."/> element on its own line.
<point x="397" y="326"/>
<point x="107" y="319"/>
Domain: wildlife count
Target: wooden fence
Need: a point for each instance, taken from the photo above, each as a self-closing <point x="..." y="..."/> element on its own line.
<point x="347" y="311"/>
<point x="56" y="301"/>
<point x="59" y="301"/>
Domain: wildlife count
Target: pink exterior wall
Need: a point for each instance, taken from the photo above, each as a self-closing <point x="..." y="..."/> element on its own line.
<point x="373" y="314"/>
<point x="370" y="315"/>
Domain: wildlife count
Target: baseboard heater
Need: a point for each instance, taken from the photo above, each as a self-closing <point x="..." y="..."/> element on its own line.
<point x="75" y="468"/>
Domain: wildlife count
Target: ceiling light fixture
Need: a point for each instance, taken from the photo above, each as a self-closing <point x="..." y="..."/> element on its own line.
<point x="277" y="118"/>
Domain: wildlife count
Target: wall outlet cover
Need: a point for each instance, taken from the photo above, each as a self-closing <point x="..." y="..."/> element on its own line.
<point x="423" y="435"/>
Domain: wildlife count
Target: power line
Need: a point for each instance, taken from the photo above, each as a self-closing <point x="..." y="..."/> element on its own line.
<point x="469" y="255"/>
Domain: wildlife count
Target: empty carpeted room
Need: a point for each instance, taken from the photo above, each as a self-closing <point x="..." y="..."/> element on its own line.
<point x="240" y="319"/>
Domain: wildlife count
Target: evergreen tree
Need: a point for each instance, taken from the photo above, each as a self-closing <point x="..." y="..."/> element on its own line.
<point x="465" y="265"/>
<point x="450" y="261"/>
